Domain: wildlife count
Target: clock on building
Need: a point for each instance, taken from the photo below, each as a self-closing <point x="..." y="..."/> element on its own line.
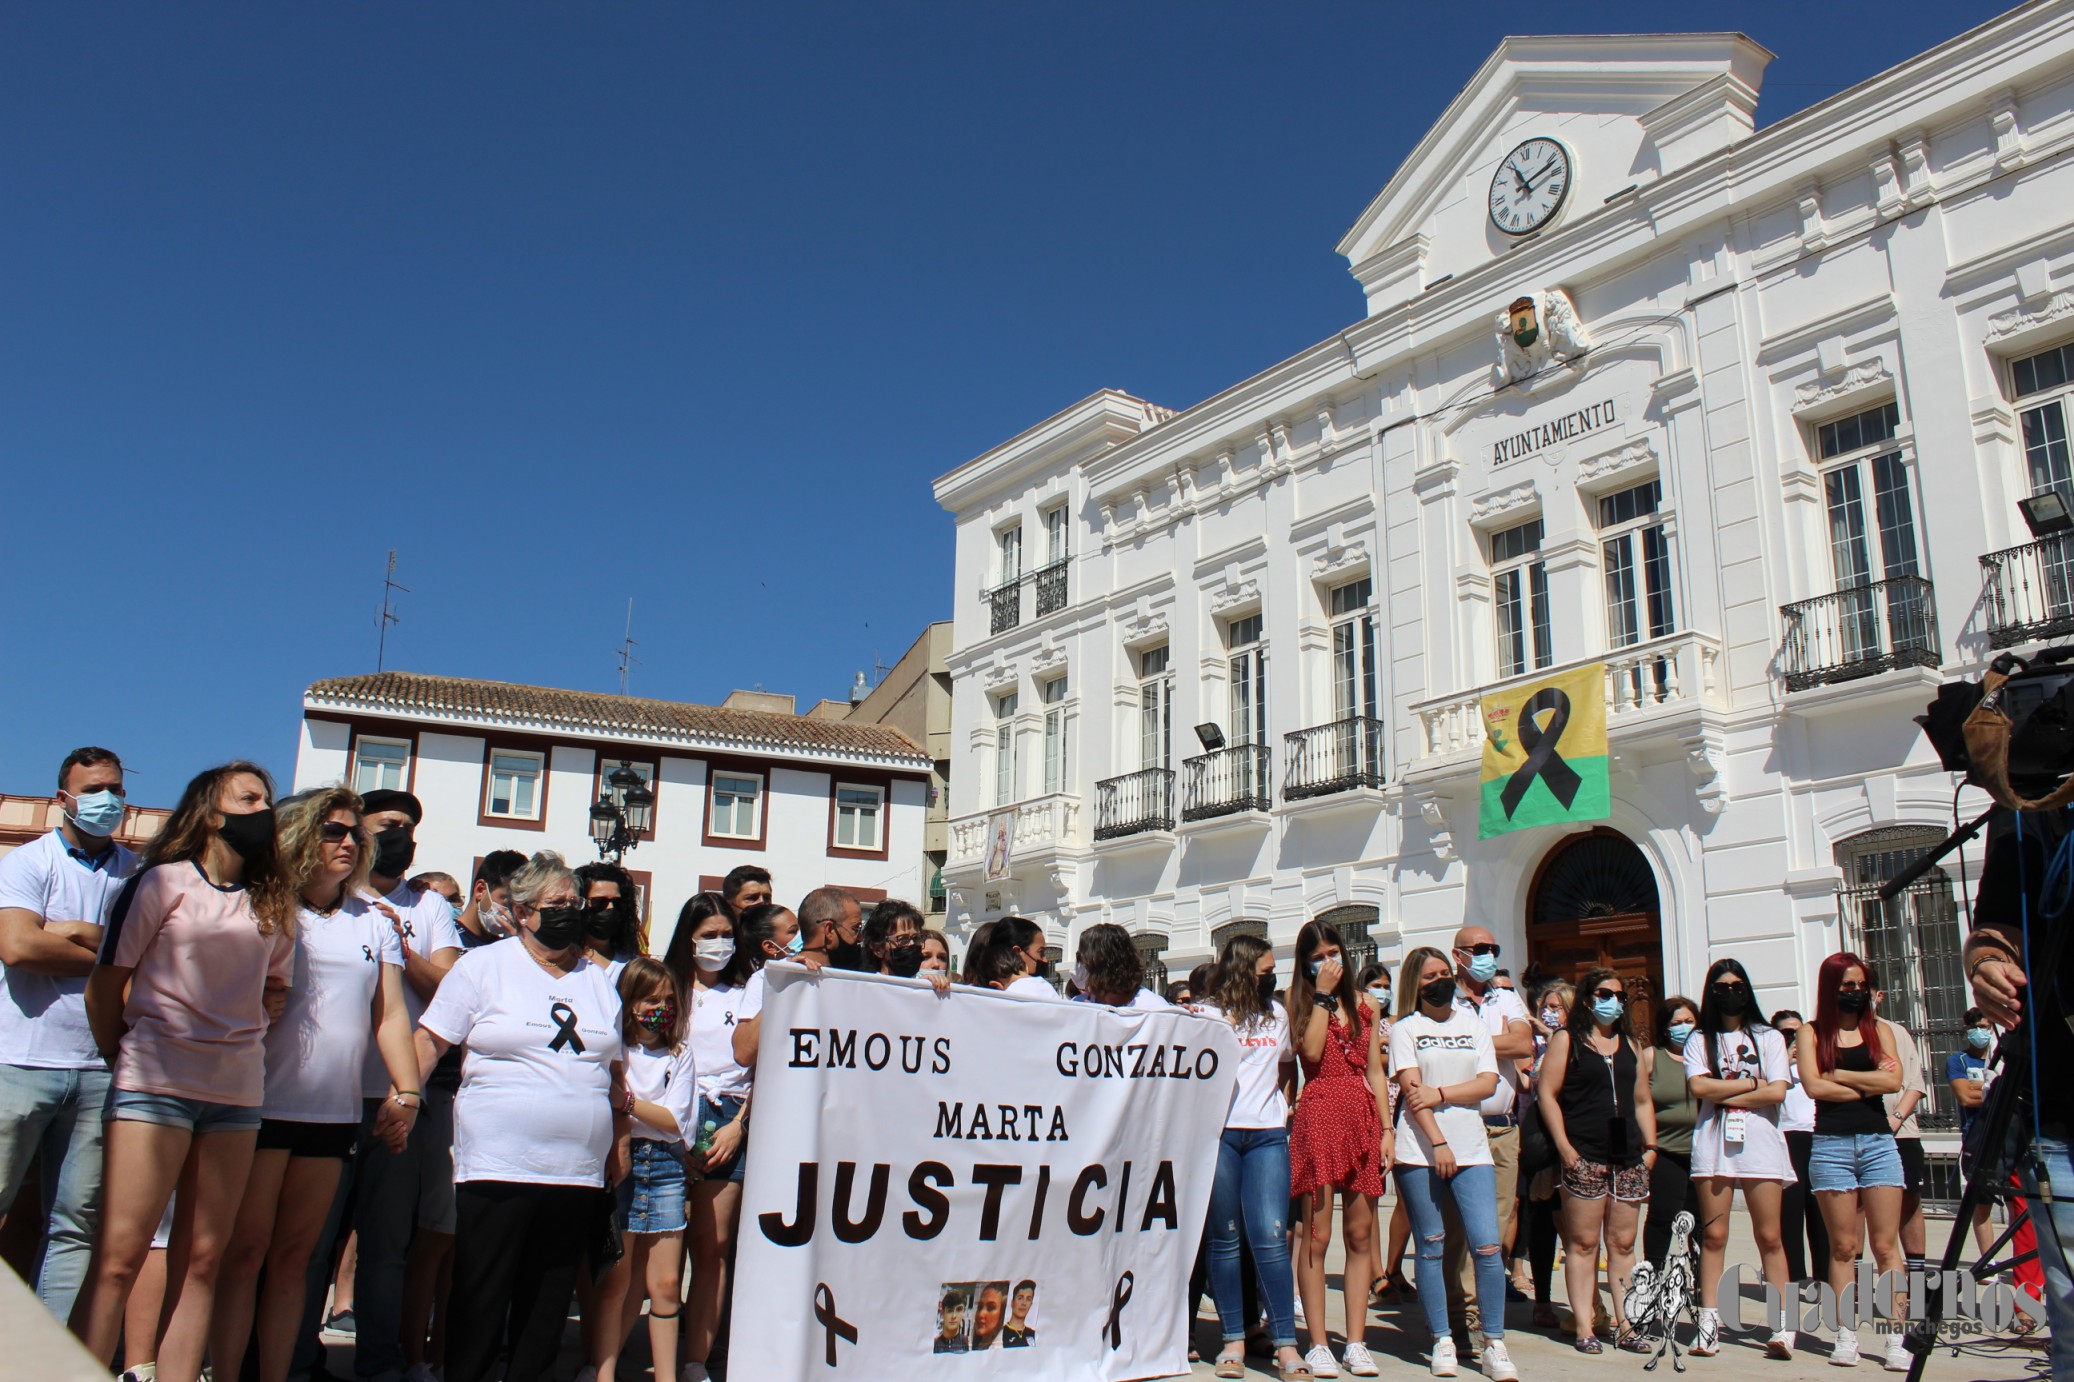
<point x="1529" y="186"/>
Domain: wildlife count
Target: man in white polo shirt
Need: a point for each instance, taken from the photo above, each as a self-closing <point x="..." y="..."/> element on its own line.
<point x="1476" y="965"/>
<point x="55" y="893"/>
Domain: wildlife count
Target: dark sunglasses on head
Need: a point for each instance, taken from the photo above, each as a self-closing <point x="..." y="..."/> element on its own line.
<point x="334" y="831"/>
<point x="1481" y="948"/>
<point x="1609" y="993"/>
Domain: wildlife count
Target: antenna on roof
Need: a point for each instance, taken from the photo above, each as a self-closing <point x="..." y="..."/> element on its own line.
<point x="627" y="660"/>
<point x="388" y="616"/>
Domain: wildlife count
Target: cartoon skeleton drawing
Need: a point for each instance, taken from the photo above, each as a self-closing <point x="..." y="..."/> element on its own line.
<point x="1658" y="1295"/>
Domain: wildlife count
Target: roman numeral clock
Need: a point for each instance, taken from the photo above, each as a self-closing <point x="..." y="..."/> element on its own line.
<point x="1529" y="187"/>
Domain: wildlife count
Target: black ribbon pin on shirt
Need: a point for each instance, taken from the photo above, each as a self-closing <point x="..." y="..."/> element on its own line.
<point x="833" y="1326"/>
<point x="565" y="1029"/>
<point x="1542" y="759"/>
<point x="1113" y="1330"/>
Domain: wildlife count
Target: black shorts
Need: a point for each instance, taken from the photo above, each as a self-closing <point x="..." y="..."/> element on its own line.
<point x="308" y="1139"/>
<point x="1915" y="1167"/>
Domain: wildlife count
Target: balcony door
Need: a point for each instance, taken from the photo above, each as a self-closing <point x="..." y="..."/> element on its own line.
<point x="2043" y="385"/>
<point x="1356" y="749"/>
<point x="1872" y="536"/>
<point x="1594" y="903"/>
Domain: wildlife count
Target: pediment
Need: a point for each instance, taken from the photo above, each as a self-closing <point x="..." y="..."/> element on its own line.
<point x="1629" y="108"/>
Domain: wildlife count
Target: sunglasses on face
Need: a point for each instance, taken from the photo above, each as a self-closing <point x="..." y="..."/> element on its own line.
<point x="331" y="832"/>
<point x="1480" y="948"/>
<point x="602" y="904"/>
<point x="1609" y="993"/>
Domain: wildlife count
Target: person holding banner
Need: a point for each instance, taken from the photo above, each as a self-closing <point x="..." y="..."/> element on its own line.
<point x="1108" y="969"/>
<point x="1338" y="1139"/>
<point x="1446" y="1066"/>
<point x="1250" y="1197"/>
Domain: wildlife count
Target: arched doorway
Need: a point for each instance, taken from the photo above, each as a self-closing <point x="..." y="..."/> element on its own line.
<point x="1594" y="903"/>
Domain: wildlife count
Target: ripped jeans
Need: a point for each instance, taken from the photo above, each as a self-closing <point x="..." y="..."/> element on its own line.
<point x="1475" y="1193"/>
<point x="1250" y="1199"/>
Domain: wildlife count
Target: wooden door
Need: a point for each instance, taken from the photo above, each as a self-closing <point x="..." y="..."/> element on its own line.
<point x="1595" y="904"/>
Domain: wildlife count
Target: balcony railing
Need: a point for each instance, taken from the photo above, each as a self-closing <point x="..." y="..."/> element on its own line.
<point x="1134" y="804"/>
<point x="1051" y="588"/>
<point x="1860" y="631"/>
<point x="1041" y="824"/>
<point x="1227" y="781"/>
<point x="1005" y="606"/>
<point x="2030" y="591"/>
<point x="1338" y="757"/>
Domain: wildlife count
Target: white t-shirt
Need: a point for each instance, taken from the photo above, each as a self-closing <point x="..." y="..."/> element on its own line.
<point x="752" y="997"/>
<point x="1450" y="1052"/>
<point x="715" y="1012"/>
<point x="1145" y="1000"/>
<point x="315" y="1049"/>
<point x="1797" y="1114"/>
<point x="534" y="1104"/>
<point x="1264" y="1049"/>
<point x="43" y="1019"/>
<point x="428" y="928"/>
<point x="1762" y="1154"/>
<point x="1030" y="986"/>
<point x="1499" y="1009"/>
<point x="660" y="1076"/>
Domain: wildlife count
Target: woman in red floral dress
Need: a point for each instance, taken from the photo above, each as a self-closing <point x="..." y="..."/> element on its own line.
<point x="1339" y="1136"/>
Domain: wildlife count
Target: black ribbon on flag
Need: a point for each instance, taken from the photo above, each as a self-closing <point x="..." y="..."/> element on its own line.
<point x="565" y="1029"/>
<point x="1542" y="759"/>
<point x="833" y="1326"/>
<point x="1113" y="1330"/>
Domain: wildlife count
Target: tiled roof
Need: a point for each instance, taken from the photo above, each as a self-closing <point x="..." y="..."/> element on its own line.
<point x="594" y="713"/>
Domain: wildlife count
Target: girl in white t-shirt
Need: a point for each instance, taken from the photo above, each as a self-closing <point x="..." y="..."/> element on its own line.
<point x="347" y="989"/>
<point x="1445" y="1067"/>
<point x="1735" y="1067"/>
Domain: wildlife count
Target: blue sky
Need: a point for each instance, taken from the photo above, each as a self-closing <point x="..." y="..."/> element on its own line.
<point x="685" y="302"/>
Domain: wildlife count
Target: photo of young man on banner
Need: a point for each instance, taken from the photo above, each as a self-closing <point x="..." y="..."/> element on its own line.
<point x="1544" y="753"/>
<point x="922" y="1163"/>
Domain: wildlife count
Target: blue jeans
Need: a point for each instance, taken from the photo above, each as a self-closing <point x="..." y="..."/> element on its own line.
<point x="2045" y="1169"/>
<point x="1474" y="1190"/>
<point x="1251" y="1195"/>
<point x="55" y="1115"/>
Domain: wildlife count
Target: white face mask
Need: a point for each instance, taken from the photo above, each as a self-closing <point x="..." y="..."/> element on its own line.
<point x="495" y="919"/>
<point x="1079" y="976"/>
<point x="712" y="953"/>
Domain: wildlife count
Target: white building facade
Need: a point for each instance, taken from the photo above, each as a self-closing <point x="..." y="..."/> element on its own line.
<point x="813" y="801"/>
<point x="1745" y="416"/>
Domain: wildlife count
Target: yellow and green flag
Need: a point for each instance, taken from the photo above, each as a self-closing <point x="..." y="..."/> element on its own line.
<point x="1544" y="753"/>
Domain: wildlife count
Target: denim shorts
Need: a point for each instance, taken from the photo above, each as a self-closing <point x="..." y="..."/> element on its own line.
<point x="719" y="1112"/>
<point x="172" y="1111"/>
<point x="1854" y="1161"/>
<point x="658" y="1188"/>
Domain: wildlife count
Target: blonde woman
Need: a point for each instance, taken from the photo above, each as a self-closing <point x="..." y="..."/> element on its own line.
<point x="347" y="990"/>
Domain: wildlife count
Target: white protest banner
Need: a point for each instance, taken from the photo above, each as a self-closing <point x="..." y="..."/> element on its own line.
<point x="930" y="1178"/>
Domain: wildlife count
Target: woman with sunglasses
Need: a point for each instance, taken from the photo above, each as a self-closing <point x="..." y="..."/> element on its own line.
<point x="1594" y="1100"/>
<point x="1735" y="1066"/>
<point x="348" y="988"/>
<point x="612" y="917"/>
<point x="1848" y="1063"/>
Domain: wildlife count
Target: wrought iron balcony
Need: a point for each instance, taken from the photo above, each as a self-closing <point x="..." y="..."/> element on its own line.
<point x="1227" y="781"/>
<point x="1338" y="757"/>
<point x="1134" y="804"/>
<point x="1005" y="606"/>
<point x="2030" y="591"/>
<point x="1051" y="588"/>
<point x="1860" y="631"/>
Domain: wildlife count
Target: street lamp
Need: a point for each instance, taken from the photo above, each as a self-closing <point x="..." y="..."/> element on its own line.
<point x="622" y="813"/>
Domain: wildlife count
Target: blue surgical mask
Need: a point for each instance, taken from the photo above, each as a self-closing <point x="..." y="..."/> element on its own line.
<point x="1681" y="1032"/>
<point x="1607" y="1009"/>
<point x="1316" y="965"/>
<point x="1380" y="993"/>
<point x="97" y="813"/>
<point x="1483" y="968"/>
<point x="1979" y="1037"/>
<point x="797" y="943"/>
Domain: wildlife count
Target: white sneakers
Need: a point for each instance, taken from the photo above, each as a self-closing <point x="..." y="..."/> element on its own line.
<point x="1319" y="1361"/>
<point x="1360" y="1362"/>
<point x="1706" y="1339"/>
<point x="1443" y="1357"/>
<point x="1898" y="1357"/>
<point x="1780" y="1346"/>
<point x="1497" y="1363"/>
<point x="1845" y="1354"/>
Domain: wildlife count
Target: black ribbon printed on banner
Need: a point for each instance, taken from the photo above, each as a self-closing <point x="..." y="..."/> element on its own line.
<point x="833" y="1326"/>
<point x="1113" y="1330"/>
<point x="565" y="1029"/>
<point x="1542" y="759"/>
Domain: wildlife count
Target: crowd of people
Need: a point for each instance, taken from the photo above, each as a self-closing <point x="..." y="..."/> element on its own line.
<point x="274" y="1084"/>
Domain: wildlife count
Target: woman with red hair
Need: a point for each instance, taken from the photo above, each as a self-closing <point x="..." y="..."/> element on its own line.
<point x="1848" y="1061"/>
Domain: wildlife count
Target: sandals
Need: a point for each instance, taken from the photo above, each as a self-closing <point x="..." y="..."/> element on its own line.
<point x="1589" y="1343"/>
<point x="1631" y="1341"/>
<point x="1230" y="1365"/>
<point x="1300" y="1372"/>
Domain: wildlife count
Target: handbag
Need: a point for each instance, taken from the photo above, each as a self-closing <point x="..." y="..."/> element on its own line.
<point x="1536" y="1148"/>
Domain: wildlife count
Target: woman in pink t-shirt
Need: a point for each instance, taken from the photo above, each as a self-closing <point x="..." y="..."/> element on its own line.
<point x="197" y="958"/>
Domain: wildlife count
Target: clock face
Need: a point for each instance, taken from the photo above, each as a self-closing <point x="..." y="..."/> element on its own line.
<point x="1529" y="186"/>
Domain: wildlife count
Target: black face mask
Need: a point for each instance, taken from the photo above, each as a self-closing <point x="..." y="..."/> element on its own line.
<point x="1855" y="1000"/>
<point x="1733" y="1000"/>
<point x="849" y="955"/>
<point x="904" y="960"/>
<point x="603" y="924"/>
<point x="1267" y="987"/>
<point x="251" y="835"/>
<point x="560" y="927"/>
<point x="393" y="850"/>
<point x="1439" y="994"/>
